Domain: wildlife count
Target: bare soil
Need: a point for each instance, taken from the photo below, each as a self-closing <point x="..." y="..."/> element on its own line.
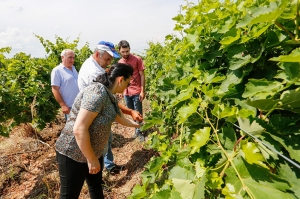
<point x="28" y="168"/>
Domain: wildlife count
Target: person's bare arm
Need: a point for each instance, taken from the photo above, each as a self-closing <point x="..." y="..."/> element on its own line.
<point x="83" y="121"/>
<point x="134" y="114"/>
<point x="59" y="99"/>
<point x="142" y="94"/>
<point x="126" y="122"/>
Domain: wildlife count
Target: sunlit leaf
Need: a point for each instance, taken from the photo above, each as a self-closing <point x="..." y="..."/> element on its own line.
<point x="250" y="126"/>
<point x="200" y="138"/>
<point x="261" y="88"/>
<point x="187" y="110"/>
<point x="252" y="153"/>
<point x="187" y="173"/>
<point x="222" y="111"/>
<point x="293" y="57"/>
<point x="185" y="187"/>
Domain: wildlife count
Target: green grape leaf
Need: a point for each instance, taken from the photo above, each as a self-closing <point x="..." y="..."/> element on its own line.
<point x="183" y="82"/>
<point x="185" y="187"/>
<point x="294" y="56"/>
<point x="138" y="192"/>
<point x="200" y="169"/>
<point x="287" y="173"/>
<point x="175" y="195"/>
<point x="260" y="14"/>
<point x="200" y="137"/>
<point x="228" y="137"/>
<point x="187" y="173"/>
<point x="155" y="165"/>
<point x="290" y="144"/>
<point x="185" y="111"/>
<point x="252" y="153"/>
<point x="220" y="111"/>
<point x="232" y="179"/>
<point x="230" y="37"/>
<point x="192" y="38"/>
<point x="184" y="95"/>
<point x="163" y="194"/>
<point x="227" y="25"/>
<point x="214" y="181"/>
<point x="250" y="125"/>
<point x="233" y="77"/>
<point x="239" y="60"/>
<point x="290" y="100"/>
<point x="263" y="104"/>
<point x="290" y="72"/>
<point x="230" y="192"/>
<point x="199" y="191"/>
<point x="290" y="11"/>
<point x="260" y="183"/>
<point x="260" y="29"/>
<point x="261" y="88"/>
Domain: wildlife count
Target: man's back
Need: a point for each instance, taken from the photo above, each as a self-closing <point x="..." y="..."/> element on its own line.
<point x="88" y="72"/>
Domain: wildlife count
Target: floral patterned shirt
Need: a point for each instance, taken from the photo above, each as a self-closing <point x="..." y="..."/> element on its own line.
<point x="94" y="98"/>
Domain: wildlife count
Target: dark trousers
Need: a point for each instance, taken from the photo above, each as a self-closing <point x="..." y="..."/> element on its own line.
<point x="72" y="175"/>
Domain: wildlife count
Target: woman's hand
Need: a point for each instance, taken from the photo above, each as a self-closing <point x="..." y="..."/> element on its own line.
<point x="94" y="166"/>
<point x="127" y="122"/>
<point x="136" y="115"/>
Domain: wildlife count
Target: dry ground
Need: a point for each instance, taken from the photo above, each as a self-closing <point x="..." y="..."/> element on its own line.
<point x="28" y="168"/>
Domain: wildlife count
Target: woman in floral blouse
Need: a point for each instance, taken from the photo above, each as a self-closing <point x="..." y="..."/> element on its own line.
<point x="80" y="146"/>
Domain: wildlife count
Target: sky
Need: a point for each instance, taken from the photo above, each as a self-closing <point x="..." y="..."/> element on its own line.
<point x="137" y="21"/>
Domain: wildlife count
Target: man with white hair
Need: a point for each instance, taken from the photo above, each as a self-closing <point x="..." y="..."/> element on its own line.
<point x="92" y="67"/>
<point x="64" y="83"/>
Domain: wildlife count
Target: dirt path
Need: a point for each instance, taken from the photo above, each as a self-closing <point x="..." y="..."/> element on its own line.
<point x="28" y="167"/>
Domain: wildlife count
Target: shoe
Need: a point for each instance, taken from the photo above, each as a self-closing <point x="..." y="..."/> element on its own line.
<point x="135" y="135"/>
<point x="141" y="137"/>
<point x="116" y="169"/>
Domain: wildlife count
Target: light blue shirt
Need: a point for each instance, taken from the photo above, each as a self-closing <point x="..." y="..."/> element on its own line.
<point x="67" y="81"/>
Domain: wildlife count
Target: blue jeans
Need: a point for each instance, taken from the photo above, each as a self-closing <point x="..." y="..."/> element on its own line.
<point x="133" y="102"/>
<point x="109" y="157"/>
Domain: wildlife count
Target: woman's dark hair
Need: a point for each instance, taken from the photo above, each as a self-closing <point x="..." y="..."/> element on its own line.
<point x="116" y="70"/>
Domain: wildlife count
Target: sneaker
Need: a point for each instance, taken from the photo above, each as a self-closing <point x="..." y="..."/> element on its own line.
<point x="141" y="136"/>
<point x="135" y="135"/>
<point x="116" y="169"/>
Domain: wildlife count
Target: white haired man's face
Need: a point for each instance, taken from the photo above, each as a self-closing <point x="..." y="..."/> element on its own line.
<point x="68" y="59"/>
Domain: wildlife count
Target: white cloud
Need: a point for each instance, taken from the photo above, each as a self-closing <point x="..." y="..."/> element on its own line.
<point x="136" y="21"/>
<point x="20" y="41"/>
<point x="16" y="8"/>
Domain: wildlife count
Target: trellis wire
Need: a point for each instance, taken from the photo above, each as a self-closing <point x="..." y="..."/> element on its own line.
<point x="271" y="148"/>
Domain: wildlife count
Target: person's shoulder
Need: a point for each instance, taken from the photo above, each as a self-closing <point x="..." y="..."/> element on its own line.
<point x="97" y="90"/>
<point x="95" y="87"/>
<point x="56" y="69"/>
<point x="136" y="57"/>
<point x="86" y="62"/>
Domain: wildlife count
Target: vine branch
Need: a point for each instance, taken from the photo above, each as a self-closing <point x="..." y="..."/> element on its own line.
<point x="285" y="30"/>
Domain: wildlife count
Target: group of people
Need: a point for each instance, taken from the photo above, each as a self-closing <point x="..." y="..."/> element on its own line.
<point x="88" y="102"/>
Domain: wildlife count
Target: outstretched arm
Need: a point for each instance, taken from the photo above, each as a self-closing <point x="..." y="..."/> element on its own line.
<point x="134" y="114"/>
<point x="126" y="122"/>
